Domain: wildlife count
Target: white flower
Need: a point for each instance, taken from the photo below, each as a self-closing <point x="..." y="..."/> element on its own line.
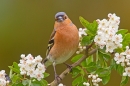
<point x="117" y="38"/>
<point x="94" y="77"/>
<point x="106" y="34"/>
<point x="82" y="32"/>
<point x="60" y="84"/>
<point x="3" y="81"/>
<point x="86" y="84"/>
<point x="31" y="66"/>
<point x="127" y="70"/>
<point x="119" y="58"/>
<point x="22" y="56"/>
<point x="124" y="74"/>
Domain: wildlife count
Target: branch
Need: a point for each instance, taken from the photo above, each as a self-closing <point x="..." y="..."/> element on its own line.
<point x="66" y="72"/>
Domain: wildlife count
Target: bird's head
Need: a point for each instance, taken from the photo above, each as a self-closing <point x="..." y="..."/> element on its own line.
<point x="60" y="17"/>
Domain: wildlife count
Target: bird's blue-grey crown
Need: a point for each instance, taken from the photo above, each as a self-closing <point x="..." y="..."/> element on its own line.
<point x="60" y="16"/>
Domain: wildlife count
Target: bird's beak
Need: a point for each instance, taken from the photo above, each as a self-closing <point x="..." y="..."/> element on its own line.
<point x="60" y="19"/>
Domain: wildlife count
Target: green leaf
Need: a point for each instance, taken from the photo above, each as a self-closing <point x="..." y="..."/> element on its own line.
<point x="83" y="21"/>
<point x="120" y="69"/>
<point x="75" y="72"/>
<point x="76" y="58"/>
<point x="46" y="75"/>
<point x="102" y="72"/>
<point x="126" y="40"/>
<point x="16" y="65"/>
<point x="78" y="81"/>
<point x="92" y="27"/>
<point x="83" y="63"/>
<point x="91" y="67"/>
<point x="15" y="78"/>
<point x="122" y="32"/>
<point x="44" y="82"/>
<point x="17" y="84"/>
<point x="14" y="69"/>
<point x="105" y="56"/>
<point x="113" y="64"/>
<point x="86" y="40"/>
<point x="25" y="82"/>
<point x="89" y="59"/>
<point x="124" y="80"/>
<point x="36" y="83"/>
<point x="105" y="79"/>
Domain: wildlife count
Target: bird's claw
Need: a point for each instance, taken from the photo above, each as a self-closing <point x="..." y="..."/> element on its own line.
<point x="69" y="66"/>
<point x="57" y="78"/>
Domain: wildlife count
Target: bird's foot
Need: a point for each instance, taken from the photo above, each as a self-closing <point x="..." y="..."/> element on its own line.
<point x="69" y="66"/>
<point x="57" y="78"/>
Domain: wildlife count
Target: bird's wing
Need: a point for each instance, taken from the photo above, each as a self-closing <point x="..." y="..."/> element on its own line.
<point x="51" y="42"/>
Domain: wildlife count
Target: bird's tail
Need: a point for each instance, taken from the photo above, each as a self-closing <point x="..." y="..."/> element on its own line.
<point x="46" y="62"/>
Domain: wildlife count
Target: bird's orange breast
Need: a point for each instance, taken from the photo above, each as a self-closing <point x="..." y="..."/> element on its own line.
<point x="66" y="41"/>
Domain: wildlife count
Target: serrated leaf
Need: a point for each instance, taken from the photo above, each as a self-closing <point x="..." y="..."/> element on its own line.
<point x="86" y="40"/>
<point x="17" y="84"/>
<point x="78" y="81"/>
<point x="120" y="69"/>
<point x="14" y="69"/>
<point x="16" y="65"/>
<point x="122" y="32"/>
<point x="83" y="21"/>
<point x="105" y="79"/>
<point x="25" y="82"/>
<point x="102" y="72"/>
<point x="126" y="40"/>
<point x="36" y="83"/>
<point x="46" y="75"/>
<point x="44" y="82"/>
<point x="76" y="58"/>
<point x="124" y="80"/>
<point x="75" y="72"/>
<point x="105" y="56"/>
<point x="92" y="27"/>
<point x="113" y="64"/>
<point x="15" y="78"/>
<point x="89" y="59"/>
<point x="91" y="67"/>
<point x="84" y="63"/>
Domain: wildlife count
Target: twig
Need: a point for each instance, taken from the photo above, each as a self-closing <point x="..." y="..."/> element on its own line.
<point x="64" y="73"/>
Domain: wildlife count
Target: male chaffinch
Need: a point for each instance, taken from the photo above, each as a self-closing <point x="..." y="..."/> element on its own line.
<point x="63" y="41"/>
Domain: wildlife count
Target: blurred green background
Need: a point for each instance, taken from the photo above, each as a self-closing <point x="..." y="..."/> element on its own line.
<point x="25" y="26"/>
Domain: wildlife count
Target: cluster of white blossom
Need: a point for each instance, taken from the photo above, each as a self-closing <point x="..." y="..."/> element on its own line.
<point x="80" y="48"/>
<point x="3" y="81"/>
<point x="81" y="34"/>
<point x="123" y="58"/>
<point x="95" y="80"/>
<point x="31" y="66"/>
<point x="106" y="34"/>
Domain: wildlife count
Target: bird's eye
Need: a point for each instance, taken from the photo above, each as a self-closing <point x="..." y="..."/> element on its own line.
<point x="65" y="17"/>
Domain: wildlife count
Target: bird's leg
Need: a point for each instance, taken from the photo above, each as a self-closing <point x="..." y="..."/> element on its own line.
<point x="68" y="66"/>
<point x="57" y="77"/>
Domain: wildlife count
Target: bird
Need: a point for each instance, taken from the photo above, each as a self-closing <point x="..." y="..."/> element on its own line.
<point x="63" y="42"/>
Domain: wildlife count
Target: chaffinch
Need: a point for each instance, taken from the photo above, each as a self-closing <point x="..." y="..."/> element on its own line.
<point x="63" y="41"/>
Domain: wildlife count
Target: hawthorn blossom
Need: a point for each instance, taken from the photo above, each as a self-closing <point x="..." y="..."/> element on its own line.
<point x="95" y="80"/>
<point x="106" y="34"/>
<point x="31" y="66"/>
<point x="3" y="81"/>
